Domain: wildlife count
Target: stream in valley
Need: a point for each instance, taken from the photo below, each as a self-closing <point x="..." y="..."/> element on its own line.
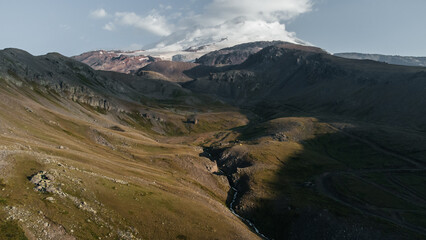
<point x="234" y="192"/>
<point x="245" y="220"/>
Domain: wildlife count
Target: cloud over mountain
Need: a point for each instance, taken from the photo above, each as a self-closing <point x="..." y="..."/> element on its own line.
<point x="234" y="31"/>
<point x="217" y="22"/>
<point x="230" y="22"/>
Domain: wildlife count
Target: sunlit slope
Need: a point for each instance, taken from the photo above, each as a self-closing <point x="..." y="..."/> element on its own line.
<point x="72" y="170"/>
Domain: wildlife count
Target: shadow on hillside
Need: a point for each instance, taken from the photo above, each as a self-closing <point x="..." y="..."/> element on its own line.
<point x="299" y="209"/>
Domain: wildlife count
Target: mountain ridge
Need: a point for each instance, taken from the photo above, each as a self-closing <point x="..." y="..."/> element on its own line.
<point x="307" y="71"/>
<point x="391" y="59"/>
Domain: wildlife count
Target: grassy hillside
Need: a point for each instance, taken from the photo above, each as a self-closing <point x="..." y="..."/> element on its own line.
<point x="110" y="175"/>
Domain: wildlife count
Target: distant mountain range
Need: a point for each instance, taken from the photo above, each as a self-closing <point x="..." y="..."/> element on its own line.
<point x="118" y="61"/>
<point x="391" y="59"/>
<point x="132" y="61"/>
<point x="263" y="71"/>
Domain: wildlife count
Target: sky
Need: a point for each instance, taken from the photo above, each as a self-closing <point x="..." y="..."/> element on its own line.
<point x="73" y="27"/>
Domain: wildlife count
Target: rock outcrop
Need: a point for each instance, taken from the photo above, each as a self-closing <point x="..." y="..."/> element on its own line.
<point x="43" y="182"/>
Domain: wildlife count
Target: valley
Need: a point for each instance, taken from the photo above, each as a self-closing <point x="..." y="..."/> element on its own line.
<point x="282" y="142"/>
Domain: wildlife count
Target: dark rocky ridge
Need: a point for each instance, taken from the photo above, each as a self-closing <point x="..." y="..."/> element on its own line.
<point x="316" y="81"/>
<point x="234" y="55"/>
<point x="79" y="82"/>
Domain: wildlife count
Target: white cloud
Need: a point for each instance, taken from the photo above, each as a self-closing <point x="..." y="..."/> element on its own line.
<point x="230" y="22"/>
<point x="235" y="31"/>
<point x="153" y="22"/>
<point x="98" y="13"/>
<point x="267" y="10"/>
<point x="109" y="26"/>
<point x="236" y="21"/>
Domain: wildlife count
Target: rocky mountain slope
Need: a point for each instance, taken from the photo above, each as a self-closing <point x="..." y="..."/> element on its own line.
<point x="117" y="61"/>
<point x="391" y="59"/>
<point x="313" y="80"/>
<point x="238" y="54"/>
<point x="79" y="82"/>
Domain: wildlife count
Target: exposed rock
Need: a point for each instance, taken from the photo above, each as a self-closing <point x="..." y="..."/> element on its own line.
<point x="37" y="225"/>
<point x="43" y="182"/>
<point x="280" y="137"/>
<point x="50" y="199"/>
<point x="126" y="235"/>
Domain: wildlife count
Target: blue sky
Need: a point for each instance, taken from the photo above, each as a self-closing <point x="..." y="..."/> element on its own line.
<point x="73" y="27"/>
<point x="369" y="26"/>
